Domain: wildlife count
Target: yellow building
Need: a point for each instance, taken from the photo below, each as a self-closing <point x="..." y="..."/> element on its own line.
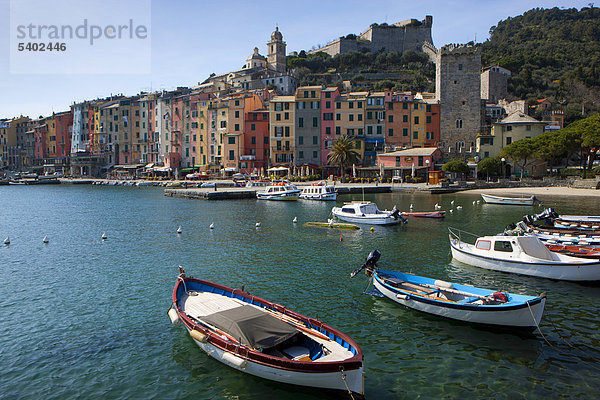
<point x="282" y="129"/>
<point x="418" y="123"/>
<point x="514" y="127"/>
<point x="350" y="119"/>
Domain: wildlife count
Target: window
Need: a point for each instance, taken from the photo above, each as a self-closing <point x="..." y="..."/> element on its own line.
<point x="338" y="105"/>
<point x="483" y="245"/>
<point x="327" y="103"/>
<point x="300" y="154"/>
<point x="327" y="95"/>
<point x="351" y="117"/>
<point x="286" y="106"/>
<point x="315" y="122"/>
<point x="369" y="115"/>
<point x="428" y="108"/>
<point x="338" y="117"/>
<point x="286" y="115"/>
<point x="369" y="130"/>
<point x="237" y="127"/>
<point x="500" y="245"/>
<point x="359" y="104"/>
<point x="390" y="132"/>
<point x="415" y="134"/>
<point x="278" y="117"/>
<point x="301" y="122"/>
<point x="460" y="67"/>
<point x="459" y="123"/>
<point x="252" y="127"/>
<point x="337" y="130"/>
<point x="405" y="106"/>
<point x="428" y="119"/>
<point x="315" y="140"/>
<point x="350" y="104"/>
<point x="416" y="106"/>
<point x="397" y="161"/>
<point x="287" y="131"/>
<point x="231" y="140"/>
<point x="416" y="119"/>
<point x="253" y="140"/>
<point x="300" y="140"/>
<point x="328" y="130"/>
<point x="509" y="128"/>
<point x="313" y="94"/>
<point x="237" y="113"/>
<point x="266" y="140"/>
<point x="404" y="131"/>
<point x="405" y="118"/>
<point x="508" y="140"/>
<point x="527" y="127"/>
<point x="231" y="155"/>
<point x="390" y="106"/>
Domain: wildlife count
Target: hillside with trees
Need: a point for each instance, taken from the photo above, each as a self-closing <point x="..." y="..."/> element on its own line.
<point x="552" y="53"/>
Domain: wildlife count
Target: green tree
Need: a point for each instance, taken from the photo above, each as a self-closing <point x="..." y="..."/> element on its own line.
<point x="343" y="154"/>
<point x="587" y="131"/>
<point x="489" y="166"/>
<point x="522" y="152"/>
<point x="457" y="166"/>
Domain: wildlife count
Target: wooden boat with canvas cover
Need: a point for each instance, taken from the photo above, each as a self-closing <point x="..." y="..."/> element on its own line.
<point x="266" y="339"/>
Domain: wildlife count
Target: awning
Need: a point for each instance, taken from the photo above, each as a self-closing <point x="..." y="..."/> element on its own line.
<point x="162" y="169"/>
<point x="274" y="169"/>
<point x="186" y="170"/>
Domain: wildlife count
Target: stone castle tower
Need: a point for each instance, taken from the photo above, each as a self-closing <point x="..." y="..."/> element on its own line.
<point x="458" y="88"/>
<point x="276" y="52"/>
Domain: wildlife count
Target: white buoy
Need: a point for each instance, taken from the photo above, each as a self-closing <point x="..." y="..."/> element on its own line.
<point x="451" y="210"/>
<point x="179" y="230"/>
<point x="452" y="202"/>
<point x="257" y="224"/>
<point x="437" y="206"/>
<point x="212" y="225"/>
<point x="104" y="237"/>
<point x="411" y="206"/>
<point x="473" y="202"/>
<point x="45" y="239"/>
<point x="478" y="201"/>
<point x="295" y="220"/>
<point x="330" y="222"/>
<point x="459" y="207"/>
<point x="7" y="241"/>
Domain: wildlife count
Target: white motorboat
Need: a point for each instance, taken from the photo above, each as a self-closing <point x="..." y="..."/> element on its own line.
<point x="319" y="192"/>
<point x="514" y="201"/>
<point x="283" y="191"/>
<point x="366" y="212"/>
<point x="266" y="339"/>
<point x="525" y="255"/>
<point x="453" y="300"/>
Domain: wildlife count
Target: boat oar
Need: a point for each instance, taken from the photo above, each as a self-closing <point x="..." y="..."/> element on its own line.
<point x="460" y="292"/>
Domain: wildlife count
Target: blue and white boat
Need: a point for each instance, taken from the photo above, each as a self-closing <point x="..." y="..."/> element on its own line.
<point x="282" y="191"/>
<point x="366" y="212"/>
<point x="455" y="301"/>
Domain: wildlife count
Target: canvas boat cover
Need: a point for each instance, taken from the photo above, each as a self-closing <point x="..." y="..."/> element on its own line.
<point x="253" y="327"/>
<point x="532" y="246"/>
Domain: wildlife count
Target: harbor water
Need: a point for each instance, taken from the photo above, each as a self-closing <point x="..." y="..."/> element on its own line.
<point x="83" y="317"/>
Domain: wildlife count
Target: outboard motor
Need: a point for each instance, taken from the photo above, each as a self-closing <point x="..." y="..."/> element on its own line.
<point x="372" y="259"/>
<point x="396" y="214"/>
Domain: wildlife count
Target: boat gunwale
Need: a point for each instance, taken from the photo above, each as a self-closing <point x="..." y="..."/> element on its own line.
<point x="353" y="363"/>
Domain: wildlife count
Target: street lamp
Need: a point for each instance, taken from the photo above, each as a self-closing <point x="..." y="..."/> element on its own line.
<point x="427" y="177"/>
<point x="503" y="169"/>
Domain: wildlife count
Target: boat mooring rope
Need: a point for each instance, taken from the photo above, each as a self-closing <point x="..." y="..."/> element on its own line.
<point x="346" y="384"/>
<point x="551" y="345"/>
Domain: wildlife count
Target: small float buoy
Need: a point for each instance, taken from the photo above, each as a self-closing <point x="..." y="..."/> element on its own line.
<point x="257" y="224"/>
<point x="459" y="207"/>
<point x="212" y="225"/>
<point x="478" y="201"/>
<point x="104" y="237"/>
<point x="452" y="202"/>
<point x="179" y="230"/>
<point x="295" y="220"/>
<point x="7" y="241"/>
<point x="451" y="210"/>
<point x="341" y="239"/>
<point x="372" y="229"/>
<point x="473" y="203"/>
<point x="45" y="239"/>
<point x="411" y="206"/>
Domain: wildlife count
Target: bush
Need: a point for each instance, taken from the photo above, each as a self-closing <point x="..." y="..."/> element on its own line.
<point x="570" y="172"/>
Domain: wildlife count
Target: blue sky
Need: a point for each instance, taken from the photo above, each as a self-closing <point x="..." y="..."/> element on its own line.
<point x="191" y="39"/>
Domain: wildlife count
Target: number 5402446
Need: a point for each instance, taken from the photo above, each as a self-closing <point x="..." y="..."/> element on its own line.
<point x="34" y="46"/>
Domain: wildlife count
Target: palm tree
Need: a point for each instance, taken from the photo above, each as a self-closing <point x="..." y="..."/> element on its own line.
<point x="343" y="154"/>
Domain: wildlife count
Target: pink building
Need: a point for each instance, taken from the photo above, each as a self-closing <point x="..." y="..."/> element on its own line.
<point x="328" y="97"/>
<point x="403" y="162"/>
